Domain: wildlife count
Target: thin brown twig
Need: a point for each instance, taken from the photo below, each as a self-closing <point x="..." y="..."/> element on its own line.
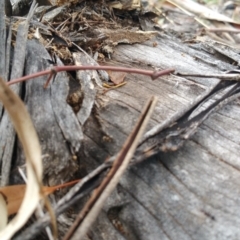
<point x="52" y="74"/>
<point x="56" y="69"/>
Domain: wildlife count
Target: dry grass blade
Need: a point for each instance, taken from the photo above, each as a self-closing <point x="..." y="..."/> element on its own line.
<point x="200" y="10"/>
<point x="28" y="137"/>
<point x="91" y="209"/>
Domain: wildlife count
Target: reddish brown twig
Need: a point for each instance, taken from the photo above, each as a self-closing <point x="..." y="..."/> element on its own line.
<point x="54" y="70"/>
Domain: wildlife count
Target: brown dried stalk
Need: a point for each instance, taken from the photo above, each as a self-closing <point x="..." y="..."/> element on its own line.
<point x="51" y="72"/>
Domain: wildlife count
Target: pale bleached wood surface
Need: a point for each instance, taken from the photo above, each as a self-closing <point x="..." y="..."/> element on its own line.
<point x="192" y="193"/>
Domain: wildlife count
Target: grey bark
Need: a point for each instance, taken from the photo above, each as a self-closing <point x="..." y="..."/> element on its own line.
<point x="191" y="193"/>
<point x="188" y="194"/>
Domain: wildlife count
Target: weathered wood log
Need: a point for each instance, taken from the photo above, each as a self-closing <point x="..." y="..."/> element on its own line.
<point x="58" y="129"/>
<point x="7" y="131"/>
<point x="177" y="195"/>
<point x="188" y="194"/>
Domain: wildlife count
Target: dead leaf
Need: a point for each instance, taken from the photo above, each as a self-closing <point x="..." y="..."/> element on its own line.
<point x="126" y="5"/>
<point x="128" y="36"/>
<point x="117" y="77"/>
<point x="13" y="195"/>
